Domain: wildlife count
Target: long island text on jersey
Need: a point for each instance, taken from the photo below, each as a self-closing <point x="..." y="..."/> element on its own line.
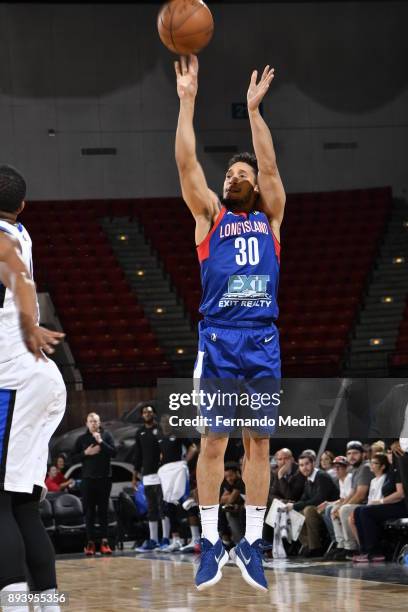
<point x="240" y="260"/>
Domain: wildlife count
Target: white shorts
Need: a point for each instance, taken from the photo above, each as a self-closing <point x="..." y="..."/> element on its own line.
<point x="32" y="404"/>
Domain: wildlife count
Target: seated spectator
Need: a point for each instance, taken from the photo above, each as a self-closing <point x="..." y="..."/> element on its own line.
<point x="56" y="482"/>
<point x="61" y="463"/>
<point x="319" y="487"/>
<point x="232" y="511"/>
<point x="326" y="463"/>
<point x="377" y="447"/>
<point x="346" y="542"/>
<point x="343" y="478"/>
<point x="287" y="483"/>
<point x="369" y="519"/>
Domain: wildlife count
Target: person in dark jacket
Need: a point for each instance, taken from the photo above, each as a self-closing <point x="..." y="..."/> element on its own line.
<point x="288" y="482"/>
<point x="319" y="487"/>
<point x="95" y="449"/>
<point x="146" y="464"/>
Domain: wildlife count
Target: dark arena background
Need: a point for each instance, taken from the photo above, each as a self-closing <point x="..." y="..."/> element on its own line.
<point x="88" y="114"/>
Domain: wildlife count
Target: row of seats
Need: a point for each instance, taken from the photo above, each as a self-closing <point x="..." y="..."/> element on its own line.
<point x="75" y="263"/>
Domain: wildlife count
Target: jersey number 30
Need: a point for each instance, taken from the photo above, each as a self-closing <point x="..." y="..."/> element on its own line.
<point x="248" y="251"/>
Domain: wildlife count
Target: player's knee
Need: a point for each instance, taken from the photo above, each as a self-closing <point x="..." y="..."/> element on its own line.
<point x="259" y="449"/>
<point x="214" y="448"/>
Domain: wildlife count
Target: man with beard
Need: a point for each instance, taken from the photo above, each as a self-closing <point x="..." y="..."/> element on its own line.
<point x="238" y="249"/>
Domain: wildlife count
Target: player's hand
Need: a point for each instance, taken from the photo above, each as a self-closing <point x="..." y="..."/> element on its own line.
<point x="187" y="77"/>
<point x="256" y="92"/>
<point x="40" y="340"/>
<point x="92" y="450"/>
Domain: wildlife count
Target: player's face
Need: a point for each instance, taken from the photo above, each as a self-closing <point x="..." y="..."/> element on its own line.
<point x="147" y="414"/>
<point x="240" y="184"/>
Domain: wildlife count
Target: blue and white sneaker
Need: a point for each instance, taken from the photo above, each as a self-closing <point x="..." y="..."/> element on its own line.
<point x="164" y="543"/>
<point x="213" y="558"/>
<point x="147" y="546"/>
<point x="248" y="557"/>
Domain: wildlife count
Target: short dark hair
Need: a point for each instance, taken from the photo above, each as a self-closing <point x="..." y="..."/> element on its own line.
<point x="382" y="460"/>
<point x="307" y="455"/>
<point x="12" y="188"/>
<point x="247" y="158"/>
<point x="231" y="465"/>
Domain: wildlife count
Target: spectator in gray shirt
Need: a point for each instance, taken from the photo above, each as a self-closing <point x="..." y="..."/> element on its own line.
<point x="347" y="544"/>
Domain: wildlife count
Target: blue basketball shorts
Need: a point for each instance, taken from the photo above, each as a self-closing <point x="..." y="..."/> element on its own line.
<point x="238" y="371"/>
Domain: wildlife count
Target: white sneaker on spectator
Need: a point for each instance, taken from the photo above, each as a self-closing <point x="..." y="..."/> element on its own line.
<point x="189" y="503"/>
<point x="175" y="545"/>
<point x="190" y="547"/>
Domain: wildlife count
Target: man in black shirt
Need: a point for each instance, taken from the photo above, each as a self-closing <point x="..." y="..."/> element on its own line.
<point x="288" y="482"/>
<point x="146" y="464"/>
<point x="95" y="449"/>
<point x="175" y="453"/>
<point x="232" y="500"/>
<point x="319" y="487"/>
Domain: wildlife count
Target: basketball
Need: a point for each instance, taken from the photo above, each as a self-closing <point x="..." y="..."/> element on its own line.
<point x="185" y="26"/>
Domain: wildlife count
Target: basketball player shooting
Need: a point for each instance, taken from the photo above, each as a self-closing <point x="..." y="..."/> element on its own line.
<point x="238" y="248"/>
<point x="32" y="403"/>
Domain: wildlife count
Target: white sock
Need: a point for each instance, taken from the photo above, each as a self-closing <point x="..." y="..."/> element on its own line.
<point x="154" y="530"/>
<point x="209" y="522"/>
<point x="166" y="527"/>
<point x="50" y="607"/>
<point x="195" y="533"/>
<point x="254" y="522"/>
<point x="14" y="588"/>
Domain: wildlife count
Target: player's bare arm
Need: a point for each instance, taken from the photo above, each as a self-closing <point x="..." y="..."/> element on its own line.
<point x="15" y="276"/>
<point x="202" y="202"/>
<point x="272" y="193"/>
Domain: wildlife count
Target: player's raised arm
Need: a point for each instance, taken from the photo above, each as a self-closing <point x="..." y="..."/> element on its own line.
<point x="15" y="276"/>
<point x="200" y="200"/>
<point x="272" y="193"/>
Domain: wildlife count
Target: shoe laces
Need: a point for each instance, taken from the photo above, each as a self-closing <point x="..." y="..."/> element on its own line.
<point x="260" y="546"/>
<point x="206" y="548"/>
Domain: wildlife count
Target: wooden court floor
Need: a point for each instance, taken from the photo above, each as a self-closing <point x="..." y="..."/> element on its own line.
<point x="128" y="583"/>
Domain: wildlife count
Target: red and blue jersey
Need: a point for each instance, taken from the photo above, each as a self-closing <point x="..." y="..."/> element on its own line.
<point x="240" y="269"/>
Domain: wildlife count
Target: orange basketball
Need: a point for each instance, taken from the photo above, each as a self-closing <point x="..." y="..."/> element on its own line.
<point x="185" y="26"/>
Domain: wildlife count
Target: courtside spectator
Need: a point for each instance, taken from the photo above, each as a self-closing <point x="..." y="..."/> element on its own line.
<point x="288" y="482"/>
<point x="361" y="477"/>
<point x="326" y="463"/>
<point x="343" y="478"/>
<point x="319" y="487"/>
<point x="369" y="520"/>
<point x="56" y="481"/>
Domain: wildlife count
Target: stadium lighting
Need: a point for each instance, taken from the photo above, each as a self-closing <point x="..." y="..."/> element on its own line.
<point x="180" y="351"/>
<point x="140" y="273"/>
<point x="376" y="341"/>
<point x="398" y="260"/>
<point x="387" y="299"/>
<point x="123" y="237"/>
<point x="159" y="310"/>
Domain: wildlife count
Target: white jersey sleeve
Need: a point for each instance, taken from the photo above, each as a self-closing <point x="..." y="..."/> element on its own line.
<point x="11" y="339"/>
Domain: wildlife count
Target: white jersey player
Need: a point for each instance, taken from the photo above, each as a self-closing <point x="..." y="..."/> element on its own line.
<point x="32" y="404"/>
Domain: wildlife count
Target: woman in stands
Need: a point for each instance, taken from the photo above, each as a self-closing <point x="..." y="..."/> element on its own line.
<point x="388" y="505"/>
